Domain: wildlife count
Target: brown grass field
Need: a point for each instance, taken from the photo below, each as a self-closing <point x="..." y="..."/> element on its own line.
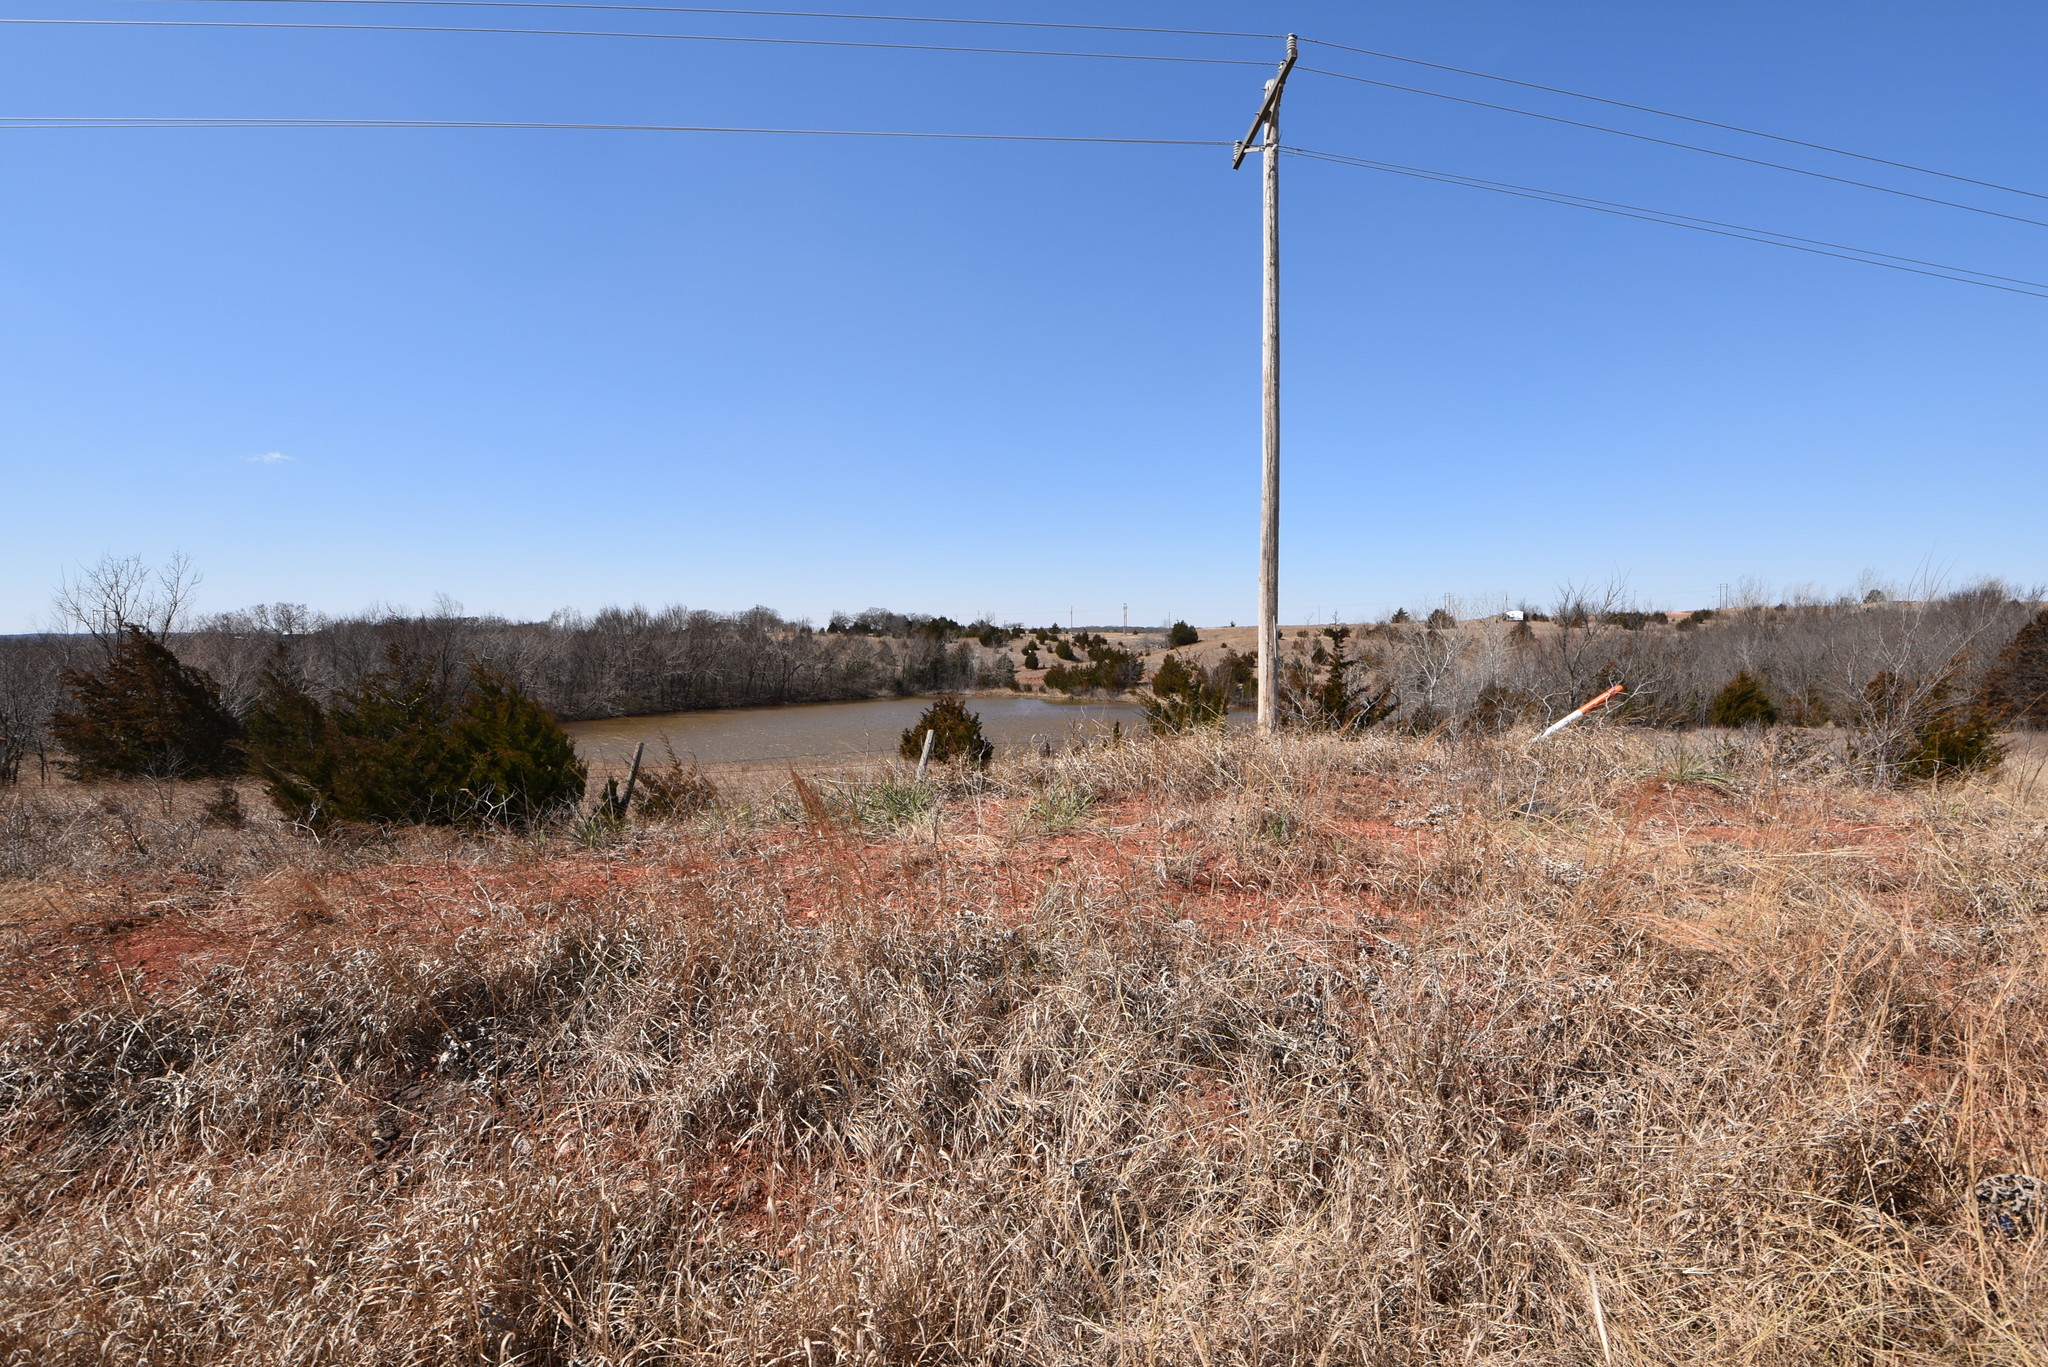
<point x="1633" y="1049"/>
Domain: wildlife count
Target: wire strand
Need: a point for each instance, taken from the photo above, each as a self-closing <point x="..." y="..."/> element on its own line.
<point x="610" y="33"/>
<point x="1186" y="32"/>
<point x="35" y="121"/>
<point x="1686" y="146"/>
<point x="1483" y="183"/>
<point x="1641" y="109"/>
<point x="1765" y="236"/>
<point x="1762" y="236"/>
<point x="750" y="13"/>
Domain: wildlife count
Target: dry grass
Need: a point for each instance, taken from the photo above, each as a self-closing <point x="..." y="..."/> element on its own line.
<point x="1195" y="1051"/>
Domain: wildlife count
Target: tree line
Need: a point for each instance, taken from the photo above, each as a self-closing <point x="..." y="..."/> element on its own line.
<point x="1914" y="688"/>
<point x="575" y="666"/>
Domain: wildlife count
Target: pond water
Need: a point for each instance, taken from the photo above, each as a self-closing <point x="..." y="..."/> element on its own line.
<point x="835" y="730"/>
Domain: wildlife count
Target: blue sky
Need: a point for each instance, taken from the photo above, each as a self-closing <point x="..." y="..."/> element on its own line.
<point x="533" y="370"/>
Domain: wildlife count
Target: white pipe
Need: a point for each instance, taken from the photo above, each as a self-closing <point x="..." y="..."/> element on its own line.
<point x="1578" y="713"/>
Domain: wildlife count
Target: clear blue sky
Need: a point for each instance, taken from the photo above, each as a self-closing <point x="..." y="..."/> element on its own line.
<point x="542" y="369"/>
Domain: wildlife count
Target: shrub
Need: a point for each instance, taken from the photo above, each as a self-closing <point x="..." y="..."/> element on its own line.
<point x="674" y="791"/>
<point x="1500" y="707"/>
<point x="225" y="809"/>
<point x="288" y="742"/>
<point x="1440" y="618"/>
<point x="1031" y="657"/>
<point x="1001" y="673"/>
<point x="516" y="762"/>
<point x="2015" y="691"/>
<point x="1342" y="699"/>
<point x="144" y="714"/>
<point x="408" y="746"/>
<point x="1742" y="702"/>
<point x="1181" y="634"/>
<point x="1952" y="742"/>
<point x="957" y="734"/>
<point x="1063" y="679"/>
<point x="1110" y="669"/>
<point x="1919" y="731"/>
<point x="1185" y="697"/>
<point x="1810" y="708"/>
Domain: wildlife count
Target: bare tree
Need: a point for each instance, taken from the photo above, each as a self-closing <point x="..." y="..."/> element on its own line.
<point x="1891" y="671"/>
<point x="121" y="591"/>
<point x="29" y="689"/>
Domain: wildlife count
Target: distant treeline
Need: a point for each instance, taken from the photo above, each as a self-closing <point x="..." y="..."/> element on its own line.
<point x="1884" y="669"/>
<point x="1915" y="689"/>
<point x="618" y="662"/>
<point x="1812" y="663"/>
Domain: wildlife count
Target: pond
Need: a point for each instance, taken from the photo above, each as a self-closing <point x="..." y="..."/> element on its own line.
<point x="836" y="730"/>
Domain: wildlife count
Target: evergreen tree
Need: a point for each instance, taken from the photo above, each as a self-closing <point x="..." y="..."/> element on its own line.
<point x="1184" y="697"/>
<point x="288" y="743"/>
<point x="1342" y="699"/>
<point x="2015" y="692"/>
<point x="1953" y="741"/>
<point x="519" y="763"/>
<point x="1110" y="669"/>
<point x="396" y="760"/>
<point x="1742" y="702"/>
<point x="144" y="714"/>
<point x="1181" y="634"/>
<point x="1929" y="734"/>
<point x="957" y="734"/>
<point x="407" y="747"/>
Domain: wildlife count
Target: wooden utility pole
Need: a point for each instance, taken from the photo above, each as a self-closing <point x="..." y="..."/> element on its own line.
<point x="1268" y="120"/>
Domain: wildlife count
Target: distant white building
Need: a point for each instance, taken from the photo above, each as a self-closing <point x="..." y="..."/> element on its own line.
<point x="1514" y="615"/>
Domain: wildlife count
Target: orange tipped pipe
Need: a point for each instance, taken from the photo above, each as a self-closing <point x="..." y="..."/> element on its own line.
<point x="1609" y="696"/>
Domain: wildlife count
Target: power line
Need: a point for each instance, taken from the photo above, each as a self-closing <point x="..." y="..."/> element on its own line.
<point x="1643" y="109"/>
<point x="1767" y="236"/>
<point x="1961" y="274"/>
<point x="761" y="13"/>
<point x="1110" y="56"/>
<point x="1185" y="32"/>
<point x="1686" y="146"/>
<point x="1478" y="182"/>
<point x="608" y="33"/>
<point x="31" y="121"/>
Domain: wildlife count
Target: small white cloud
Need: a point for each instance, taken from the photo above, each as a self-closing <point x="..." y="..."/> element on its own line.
<point x="268" y="458"/>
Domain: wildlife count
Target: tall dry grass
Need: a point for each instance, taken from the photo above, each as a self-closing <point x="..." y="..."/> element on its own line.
<point x="1188" y="1051"/>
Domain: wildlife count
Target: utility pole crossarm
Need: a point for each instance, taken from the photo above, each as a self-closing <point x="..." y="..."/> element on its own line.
<point x="1273" y="89"/>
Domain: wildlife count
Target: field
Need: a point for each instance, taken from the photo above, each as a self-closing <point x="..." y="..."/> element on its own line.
<point x="1638" y="1048"/>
